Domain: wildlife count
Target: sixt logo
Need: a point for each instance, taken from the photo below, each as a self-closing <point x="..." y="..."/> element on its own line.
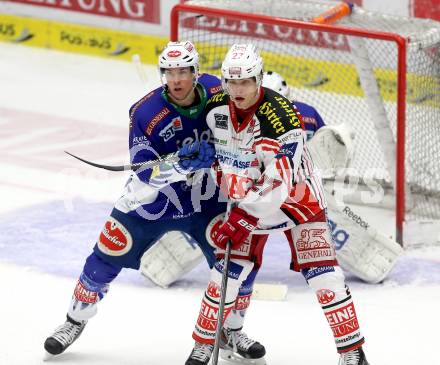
<point x="170" y="130"/>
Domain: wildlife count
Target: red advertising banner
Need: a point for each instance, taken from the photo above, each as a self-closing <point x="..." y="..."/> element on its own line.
<point x="267" y="31"/>
<point x="355" y="2"/>
<point x="141" y="10"/>
<point x="426" y="9"/>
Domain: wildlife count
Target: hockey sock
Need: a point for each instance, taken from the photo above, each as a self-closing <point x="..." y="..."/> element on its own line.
<point x="91" y="287"/>
<point x="235" y="320"/>
<point x="336" y="301"/>
<point x="206" y="325"/>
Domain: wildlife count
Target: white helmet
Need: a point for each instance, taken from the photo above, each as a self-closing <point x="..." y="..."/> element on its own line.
<point x="179" y="54"/>
<point x="275" y="81"/>
<point x="241" y="62"/>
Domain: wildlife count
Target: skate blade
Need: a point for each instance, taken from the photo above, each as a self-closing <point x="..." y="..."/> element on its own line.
<point x="234" y="358"/>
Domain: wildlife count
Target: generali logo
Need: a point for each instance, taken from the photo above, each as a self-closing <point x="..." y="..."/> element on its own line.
<point x="273" y="32"/>
<point x="142" y="10"/>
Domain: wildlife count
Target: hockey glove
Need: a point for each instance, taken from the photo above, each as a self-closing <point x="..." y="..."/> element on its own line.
<point x="196" y="156"/>
<point x="237" y="228"/>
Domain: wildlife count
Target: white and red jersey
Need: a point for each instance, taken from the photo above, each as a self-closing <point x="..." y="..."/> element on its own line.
<point x="262" y="162"/>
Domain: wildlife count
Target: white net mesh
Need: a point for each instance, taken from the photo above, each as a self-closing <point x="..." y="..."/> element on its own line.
<point x="320" y="68"/>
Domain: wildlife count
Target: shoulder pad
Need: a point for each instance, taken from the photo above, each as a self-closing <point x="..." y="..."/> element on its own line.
<point x="141" y="103"/>
<point x="277" y="115"/>
<point x="211" y="83"/>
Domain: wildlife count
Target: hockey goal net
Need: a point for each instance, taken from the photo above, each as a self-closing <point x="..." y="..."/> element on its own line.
<point x="378" y="73"/>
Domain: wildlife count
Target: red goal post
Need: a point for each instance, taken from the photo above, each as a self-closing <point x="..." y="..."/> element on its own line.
<point x="214" y="29"/>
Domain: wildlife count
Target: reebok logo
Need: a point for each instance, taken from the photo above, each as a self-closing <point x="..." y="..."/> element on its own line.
<point x="356" y="218"/>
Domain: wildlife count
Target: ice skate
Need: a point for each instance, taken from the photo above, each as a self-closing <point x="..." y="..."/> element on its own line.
<point x="200" y="355"/>
<point x="354" y="357"/>
<point x="64" y="336"/>
<point x="237" y="347"/>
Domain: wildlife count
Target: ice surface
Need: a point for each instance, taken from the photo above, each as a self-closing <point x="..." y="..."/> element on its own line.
<point x="53" y="207"/>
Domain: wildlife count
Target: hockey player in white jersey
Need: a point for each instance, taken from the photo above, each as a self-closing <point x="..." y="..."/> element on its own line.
<point x="268" y="175"/>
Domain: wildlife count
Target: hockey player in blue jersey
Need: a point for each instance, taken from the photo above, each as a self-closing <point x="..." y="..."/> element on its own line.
<point x="169" y="197"/>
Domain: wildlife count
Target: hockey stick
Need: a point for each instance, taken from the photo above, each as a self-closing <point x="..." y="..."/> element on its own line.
<point x="139" y="69"/>
<point x="221" y="308"/>
<point x="170" y="158"/>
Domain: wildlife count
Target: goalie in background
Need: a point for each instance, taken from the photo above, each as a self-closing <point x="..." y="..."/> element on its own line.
<point x="310" y="116"/>
<point x="336" y="139"/>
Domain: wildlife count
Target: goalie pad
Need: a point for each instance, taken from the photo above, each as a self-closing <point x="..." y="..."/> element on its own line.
<point x="360" y="248"/>
<point x="332" y="148"/>
<point x="172" y="256"/>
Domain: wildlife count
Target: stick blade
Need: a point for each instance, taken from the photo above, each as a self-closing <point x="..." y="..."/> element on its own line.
<point x="105" y="167"/>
